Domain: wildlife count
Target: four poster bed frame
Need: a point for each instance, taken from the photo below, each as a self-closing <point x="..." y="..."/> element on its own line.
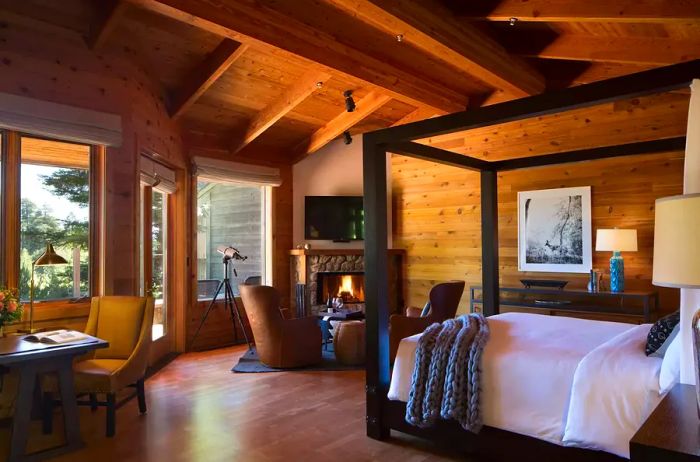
<point x="384" y="415"/>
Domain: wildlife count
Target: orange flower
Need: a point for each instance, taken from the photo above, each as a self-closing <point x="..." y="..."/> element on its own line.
<point x="12" y="306"/>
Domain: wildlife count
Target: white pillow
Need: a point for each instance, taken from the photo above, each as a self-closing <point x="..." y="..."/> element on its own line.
<point x="671" y="366"/>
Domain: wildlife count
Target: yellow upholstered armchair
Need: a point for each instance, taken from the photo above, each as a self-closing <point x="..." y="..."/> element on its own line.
<point x="126" y="323"/>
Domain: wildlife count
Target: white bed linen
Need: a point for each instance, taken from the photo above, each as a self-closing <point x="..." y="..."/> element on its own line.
<point x="615" y="388"/>
<point x="528" y="369"/>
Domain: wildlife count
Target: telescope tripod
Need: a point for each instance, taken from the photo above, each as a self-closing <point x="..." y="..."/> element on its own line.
<point x="229" y="304"/>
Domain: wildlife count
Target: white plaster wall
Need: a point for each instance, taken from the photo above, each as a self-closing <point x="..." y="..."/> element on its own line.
<point x="334" y="170"/>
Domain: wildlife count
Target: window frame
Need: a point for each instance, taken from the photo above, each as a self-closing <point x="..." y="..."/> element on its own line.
<point x="10" y="204"/>
<point x="145" y="246"/>
<point x="266" y="232"/>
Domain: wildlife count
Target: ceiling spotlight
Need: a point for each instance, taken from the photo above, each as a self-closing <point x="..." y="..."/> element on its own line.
<point x="347" y="139"/>
<point x="319" y="84"/>
<point x="399" y="38"/>
<point x="349" y="102"/>
<point x="512" y="21"/>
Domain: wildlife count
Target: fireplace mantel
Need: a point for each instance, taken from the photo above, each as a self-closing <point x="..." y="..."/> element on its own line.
<point x="306" y="264"/>
<point x="306" y="252"/>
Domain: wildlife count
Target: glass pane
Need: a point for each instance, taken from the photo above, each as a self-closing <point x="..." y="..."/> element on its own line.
<point x="228" y="215"/>
<point x="55" y="207"/>
<point x="159" y="261"/>
<point x="142" y="267"/>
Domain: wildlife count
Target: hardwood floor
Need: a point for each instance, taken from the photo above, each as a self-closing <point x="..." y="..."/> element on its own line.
<point x="200" y="411"/>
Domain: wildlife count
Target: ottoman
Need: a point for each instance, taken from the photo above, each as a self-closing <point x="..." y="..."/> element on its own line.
<point x="349" y="342"/>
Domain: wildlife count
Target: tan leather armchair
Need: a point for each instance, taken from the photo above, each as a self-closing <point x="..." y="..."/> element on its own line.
<point x="279" y="341"/>
<point x="126" y="323"/>
<point x="444" y="300"/>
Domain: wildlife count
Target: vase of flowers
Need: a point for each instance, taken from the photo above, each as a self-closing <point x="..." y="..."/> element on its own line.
<point x="10" y="308"/>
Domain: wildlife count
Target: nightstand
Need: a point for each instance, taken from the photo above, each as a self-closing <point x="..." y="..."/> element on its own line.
<point x="672" y="431"/>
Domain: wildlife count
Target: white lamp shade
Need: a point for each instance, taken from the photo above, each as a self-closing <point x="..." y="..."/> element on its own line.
<point x="677" y="242"/>
<point x="616" y="240"/>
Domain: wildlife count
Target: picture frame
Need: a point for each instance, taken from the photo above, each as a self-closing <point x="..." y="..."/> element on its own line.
<point x="554" y="230"/>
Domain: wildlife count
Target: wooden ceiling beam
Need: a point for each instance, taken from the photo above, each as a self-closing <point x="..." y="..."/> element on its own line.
<point x="629" y="11"/>
<point x="432" y="28"/>
<point x="625" y="50"/>
<point x="343" y="121"/>
<point x="256" y="24"/>
<point x="107" y="16"/>
<point x="204" y="75"/>
<point x="292" y="97"/>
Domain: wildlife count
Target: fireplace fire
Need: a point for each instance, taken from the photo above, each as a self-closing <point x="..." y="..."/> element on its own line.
<point x="348" y="286"/>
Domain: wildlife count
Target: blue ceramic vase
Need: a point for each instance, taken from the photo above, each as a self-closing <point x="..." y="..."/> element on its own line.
<point x="617" y="273"/>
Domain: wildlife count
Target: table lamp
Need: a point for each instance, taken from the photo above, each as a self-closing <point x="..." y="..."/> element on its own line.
<point x="48" y="258"/>
<point x="616" y="241"/>
<point x="677" y="256"/>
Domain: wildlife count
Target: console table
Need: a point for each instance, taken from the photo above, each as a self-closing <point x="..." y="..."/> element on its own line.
<point x="642" y="305"/>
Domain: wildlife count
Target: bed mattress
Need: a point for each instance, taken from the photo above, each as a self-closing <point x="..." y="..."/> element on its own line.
<point x="529" y="367"/>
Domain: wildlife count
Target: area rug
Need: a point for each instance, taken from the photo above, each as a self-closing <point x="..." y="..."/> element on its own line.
<point x="250" y="364"/>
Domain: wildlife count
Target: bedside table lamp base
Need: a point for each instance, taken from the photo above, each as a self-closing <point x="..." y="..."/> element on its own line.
<point x="617" y="273"/>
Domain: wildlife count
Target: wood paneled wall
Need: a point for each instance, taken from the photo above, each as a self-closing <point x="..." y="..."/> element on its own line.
<point x="437" y="217"/>
<point x="282" y="240"/>
<point x="54" y="64"/>
<point x="437" y="208"/>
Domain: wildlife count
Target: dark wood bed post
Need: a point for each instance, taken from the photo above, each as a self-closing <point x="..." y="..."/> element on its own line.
<point x="489" y="242"/>
<point x="376" y="285"/>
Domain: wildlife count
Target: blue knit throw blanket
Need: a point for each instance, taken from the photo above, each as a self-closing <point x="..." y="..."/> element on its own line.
<point x="446" y="375"/>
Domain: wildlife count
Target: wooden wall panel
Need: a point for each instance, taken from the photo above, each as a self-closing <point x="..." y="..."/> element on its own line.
<point x="282" y="240"/>
<point x="437" y="217"/>
<point x="54" y="64"/>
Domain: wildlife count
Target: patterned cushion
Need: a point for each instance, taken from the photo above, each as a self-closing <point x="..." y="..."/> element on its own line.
<point x="660" y="331"/>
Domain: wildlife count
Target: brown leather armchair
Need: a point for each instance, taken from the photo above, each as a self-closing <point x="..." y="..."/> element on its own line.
<point x="279" y="341"/>
<point x="444" y="300"/>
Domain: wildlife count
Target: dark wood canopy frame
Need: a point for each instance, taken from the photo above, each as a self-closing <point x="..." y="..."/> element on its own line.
<point x="384" y="415"/>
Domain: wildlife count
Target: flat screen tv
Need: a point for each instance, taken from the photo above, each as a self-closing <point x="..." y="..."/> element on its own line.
<point x="335" y="218"/>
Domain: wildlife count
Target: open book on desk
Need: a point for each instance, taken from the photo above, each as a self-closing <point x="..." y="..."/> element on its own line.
<point x="56" y="337"/>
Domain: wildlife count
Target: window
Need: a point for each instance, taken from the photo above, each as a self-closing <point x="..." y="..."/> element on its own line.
<point x="159" y="239"/>
<point x="157" y="186"/>
<point x="230" y="215"/>
<point x="55" y="207"/>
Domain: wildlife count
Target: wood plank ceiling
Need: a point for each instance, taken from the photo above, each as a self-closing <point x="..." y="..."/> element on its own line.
<point x="265" y="79"/>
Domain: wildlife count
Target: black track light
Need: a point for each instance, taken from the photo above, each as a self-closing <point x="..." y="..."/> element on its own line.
<point x="349" y="102"/>
<point x="347" y="139"/>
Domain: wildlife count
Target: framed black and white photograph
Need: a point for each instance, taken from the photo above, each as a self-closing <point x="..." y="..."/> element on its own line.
<point x="554" y="230"/>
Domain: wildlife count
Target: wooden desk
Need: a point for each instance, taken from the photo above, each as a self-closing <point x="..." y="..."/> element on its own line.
<point x="672" y="431"/>
<point x="31" y="359"/>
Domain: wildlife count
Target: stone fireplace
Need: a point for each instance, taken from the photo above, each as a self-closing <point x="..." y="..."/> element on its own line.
<point x="318" y="273"/>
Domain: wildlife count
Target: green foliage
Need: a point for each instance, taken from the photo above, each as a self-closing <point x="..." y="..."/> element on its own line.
<point x="71" y="183"/>
<point x="158" y="242"/>
<point x="40" y="224"/>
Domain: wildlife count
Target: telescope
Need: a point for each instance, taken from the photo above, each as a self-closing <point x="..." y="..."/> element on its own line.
<point x="230" y="252"/>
